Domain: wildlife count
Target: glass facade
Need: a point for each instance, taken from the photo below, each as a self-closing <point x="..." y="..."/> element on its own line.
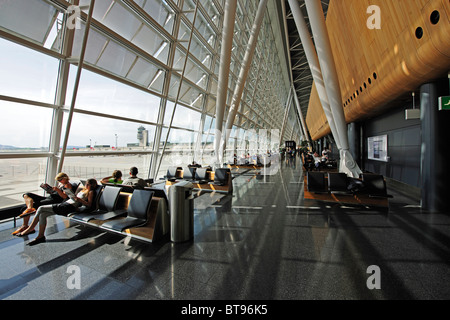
<point x="147" y="92"/>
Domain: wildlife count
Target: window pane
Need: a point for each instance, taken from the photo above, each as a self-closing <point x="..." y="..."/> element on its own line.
<point x="15" y="15"/>
<point x="96" y="43"/>
<point x="15" y="137"/>
<point x="100" y="8"/>
<point x="197" y="48"/>
<point x="152" y="43"/>
<point x="168" y="112"/>
<point x="211" y="106"/>
<point x="188" y="94"/>
<point x="121" y="21"/>
<point x="161" y="12"/>
<point x="101" y="94"/>
<point x="209" y="125"/>
<point x="21" y="176"/>
<point x="205" y="29"/>
<point x="179" y="149"/>
<point x="98" y="167"/>
<point x="147" y="75"/>
<point x="103" y="134"/>
<point x="116" y="59"/>
<point x="186" y="118"/>
<point x="133" y="28"/>
<point x="26" y="73"/>
<point x="193" y="72"/>
<point x="181" y="140"/>
<point x="212" y="11"/>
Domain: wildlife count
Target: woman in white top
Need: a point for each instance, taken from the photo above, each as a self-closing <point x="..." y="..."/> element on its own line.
<point x="84" y="197"/>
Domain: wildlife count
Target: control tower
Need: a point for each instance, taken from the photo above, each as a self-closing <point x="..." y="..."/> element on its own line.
<point x="142" y="137"/>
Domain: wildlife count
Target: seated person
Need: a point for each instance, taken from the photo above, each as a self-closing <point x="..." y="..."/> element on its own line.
<point x="309" y="161"/>
<point x="85" y="197"/>
<point x="194" y="165"/>
<point x="34" y="201"/>
<point x="115" y="178"/>
<point x="326" y="153"/>
<point x="133" y="180"/>
<point x="317" y="160"/>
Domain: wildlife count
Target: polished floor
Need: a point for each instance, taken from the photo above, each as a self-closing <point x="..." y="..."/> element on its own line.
<point x="265" y="242"/>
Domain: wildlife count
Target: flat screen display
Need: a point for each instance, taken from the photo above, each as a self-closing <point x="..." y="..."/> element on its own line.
<point x="377" y="148"/>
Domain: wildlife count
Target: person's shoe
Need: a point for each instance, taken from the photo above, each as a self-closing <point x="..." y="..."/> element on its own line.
<point x="22" y="228"/>
<point x="27" y="212"/>
<point x="25" y="234"/>
<point x="36" y="241"/>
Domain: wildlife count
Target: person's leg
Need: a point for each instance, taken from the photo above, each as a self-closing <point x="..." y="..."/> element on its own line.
<point x="42" y="214"/>
<point x="32" y="202"/>
<point x="28" y="201"/>
<point x="29" y="210"/>
<point x="23" y="227"/>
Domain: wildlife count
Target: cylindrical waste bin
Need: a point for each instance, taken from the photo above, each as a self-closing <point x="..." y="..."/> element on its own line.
<point x="181" y="207"/>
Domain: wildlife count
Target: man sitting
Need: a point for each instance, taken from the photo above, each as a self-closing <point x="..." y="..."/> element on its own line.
<point x="133" y="180"/>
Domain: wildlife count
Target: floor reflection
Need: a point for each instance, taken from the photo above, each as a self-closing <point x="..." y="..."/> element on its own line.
<point x="265" y="241"/>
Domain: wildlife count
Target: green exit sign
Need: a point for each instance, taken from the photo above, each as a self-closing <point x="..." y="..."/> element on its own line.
<point x="444" y="103"/>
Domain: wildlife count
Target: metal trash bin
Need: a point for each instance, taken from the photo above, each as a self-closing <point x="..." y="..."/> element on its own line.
<point x="181" y="206"/>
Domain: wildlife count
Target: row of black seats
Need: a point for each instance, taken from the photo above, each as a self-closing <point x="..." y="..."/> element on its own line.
<point x="158" y="192"/>
<point x="373" y="185"/>
<point x="199" y="175"/>
<point x="106" y="209"/>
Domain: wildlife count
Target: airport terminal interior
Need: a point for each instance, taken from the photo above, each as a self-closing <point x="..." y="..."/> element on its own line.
<point x="286" y="150"/>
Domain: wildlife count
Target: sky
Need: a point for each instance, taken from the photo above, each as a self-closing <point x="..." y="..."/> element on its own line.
<point x="30" y="75"/>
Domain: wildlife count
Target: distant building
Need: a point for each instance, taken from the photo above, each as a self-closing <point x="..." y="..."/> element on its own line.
<point x="142" y="137"/>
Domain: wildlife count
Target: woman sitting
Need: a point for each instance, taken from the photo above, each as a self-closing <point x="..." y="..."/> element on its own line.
<point x="34" y="201"/>
<point x="84" y="197"/>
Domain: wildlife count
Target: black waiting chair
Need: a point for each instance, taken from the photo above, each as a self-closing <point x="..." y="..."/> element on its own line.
<point x="172" y="173"/>
<point x="201" y="175"/>
<point x="106" y="206"/>
<point x="160" y="193"/>
<point x="137" y="212"/>
<point x="189" y="173"/>
<point x="315" y="181"/>
<point x="375" y="185"/>
<point x="75" y="186"/>
<point x="221" y="176"/>
<point x="127" y="188"/>
<point x="338" y="183"/>
<point x="124" y="187"/>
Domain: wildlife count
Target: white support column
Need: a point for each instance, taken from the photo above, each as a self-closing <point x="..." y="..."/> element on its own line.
<point x="224" y="70"/>
<point x="246" y="63"/>
<point x="286" y="113"/>
<point x="58" y="114"/>
<point x="300" y="132"/>
<point x="77" y="82"/>
<point x="314" y="65"/>
<point x="329" y="73"/>
<point x="303" y="127"/>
